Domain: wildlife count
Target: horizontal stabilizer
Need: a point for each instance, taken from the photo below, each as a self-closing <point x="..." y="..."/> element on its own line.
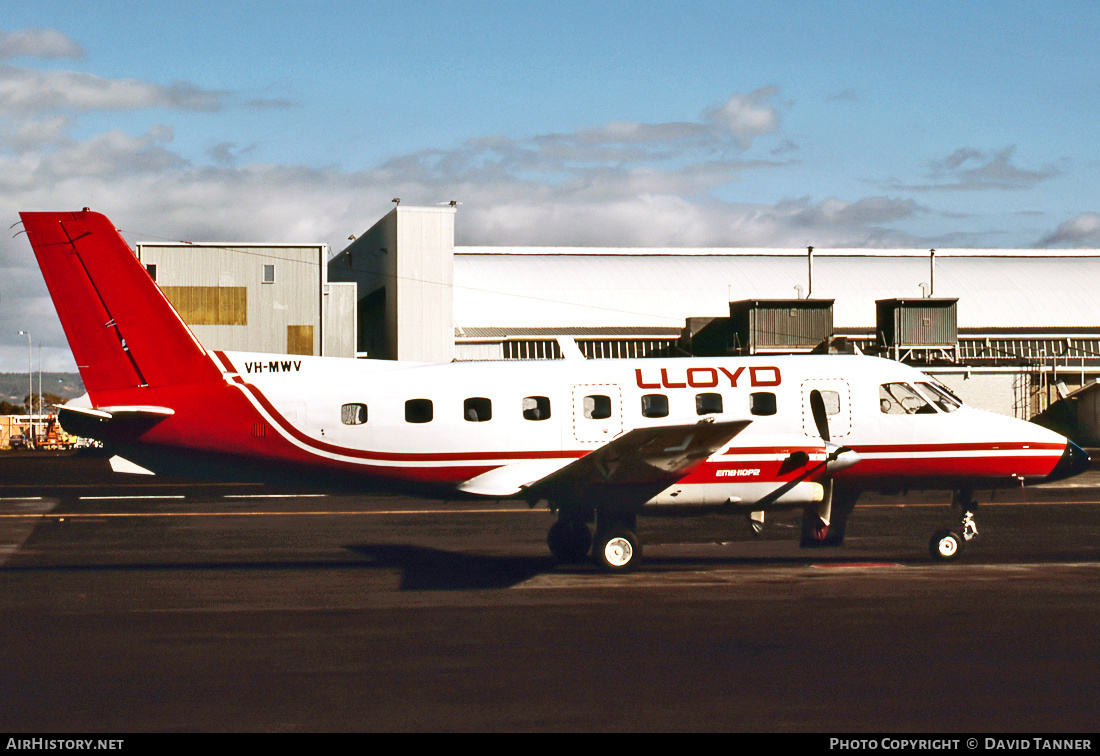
<point x="110" y="423"/>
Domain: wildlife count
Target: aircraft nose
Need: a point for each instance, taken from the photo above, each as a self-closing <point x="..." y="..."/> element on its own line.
<point x="1074" y="461"/>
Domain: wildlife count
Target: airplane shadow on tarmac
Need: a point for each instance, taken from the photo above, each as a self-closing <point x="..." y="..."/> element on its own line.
<point x="427" y="569"/>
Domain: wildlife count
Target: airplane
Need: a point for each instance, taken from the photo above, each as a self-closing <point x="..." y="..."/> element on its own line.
<point x="599" y="442"/>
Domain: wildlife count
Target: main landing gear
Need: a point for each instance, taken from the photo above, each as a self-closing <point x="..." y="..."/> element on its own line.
<point x="615" y="548"/>
<point x="947" y="545"/>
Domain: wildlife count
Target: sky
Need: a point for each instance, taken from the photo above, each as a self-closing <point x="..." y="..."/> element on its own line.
<point x="671" y="124"/>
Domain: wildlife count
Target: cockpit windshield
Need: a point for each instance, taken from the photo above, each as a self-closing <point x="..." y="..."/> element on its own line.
<point x="902" y="399"/>
<point x="942" y="396"/>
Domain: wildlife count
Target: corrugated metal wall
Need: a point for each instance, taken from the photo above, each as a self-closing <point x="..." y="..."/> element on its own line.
<point x="254" y="298"/>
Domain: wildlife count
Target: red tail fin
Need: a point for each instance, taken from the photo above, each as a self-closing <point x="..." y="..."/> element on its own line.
<point x="122" y="330"/>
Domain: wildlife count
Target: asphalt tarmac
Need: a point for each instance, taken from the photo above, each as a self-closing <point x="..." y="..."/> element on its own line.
<point x="141" y="605"/>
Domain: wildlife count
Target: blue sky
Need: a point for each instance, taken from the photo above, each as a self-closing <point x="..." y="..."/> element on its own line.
<point x="776" y="124"/>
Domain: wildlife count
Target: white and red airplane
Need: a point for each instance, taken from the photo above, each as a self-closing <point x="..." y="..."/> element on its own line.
<point x="600" y="441"/>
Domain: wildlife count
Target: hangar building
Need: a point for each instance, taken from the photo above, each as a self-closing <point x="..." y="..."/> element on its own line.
<point x="256" y="297"/>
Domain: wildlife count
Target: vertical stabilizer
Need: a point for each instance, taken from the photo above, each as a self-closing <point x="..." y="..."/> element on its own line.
<point x="122" y="331"/>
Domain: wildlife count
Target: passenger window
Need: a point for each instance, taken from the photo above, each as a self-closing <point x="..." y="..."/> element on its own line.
<point x="902" y="399"/>
<point x="536" y="408"/>
<point x="762" y="403"/>
<point x="654" y="405"/>
<point x="353" y="414"/>
<point x="418" y="411"/>
<point x="944" y="400"/>
<point x="706" y="404"/>
<point x="477" y="409"/>
<point x="597" y="407"/>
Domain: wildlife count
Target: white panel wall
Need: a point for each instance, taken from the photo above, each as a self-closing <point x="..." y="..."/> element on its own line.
<point x="987" y="391"/>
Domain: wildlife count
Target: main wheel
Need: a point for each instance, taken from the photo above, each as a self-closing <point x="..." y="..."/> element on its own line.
<point x="617" y="551"/>
<point x="946" y="546"/>
<point x="569" y="540"/>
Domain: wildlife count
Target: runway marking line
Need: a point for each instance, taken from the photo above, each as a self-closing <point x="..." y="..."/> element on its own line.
<point x="854" y="565"/>
<point x="128" y="498"/>
<point x="80" y="515"/>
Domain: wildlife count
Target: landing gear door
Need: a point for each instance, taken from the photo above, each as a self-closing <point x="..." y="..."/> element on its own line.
<point x="597" y="412"/>
<point x="837" y="397"/>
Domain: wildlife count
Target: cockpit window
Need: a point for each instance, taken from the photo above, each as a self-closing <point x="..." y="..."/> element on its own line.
<point x="942" y="398"/>
<point x="902" y="399"/>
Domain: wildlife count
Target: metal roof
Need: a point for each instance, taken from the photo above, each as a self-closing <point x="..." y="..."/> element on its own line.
<point x="596" y="287"/>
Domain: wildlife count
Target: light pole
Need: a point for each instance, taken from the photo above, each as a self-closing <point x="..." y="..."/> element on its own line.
<point x="30" y="387"/>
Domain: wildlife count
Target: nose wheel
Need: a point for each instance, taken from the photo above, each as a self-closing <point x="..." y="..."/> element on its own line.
<point x="947" y="545"/>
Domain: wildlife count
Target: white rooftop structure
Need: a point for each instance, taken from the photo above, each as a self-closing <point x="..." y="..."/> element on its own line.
<point x="546" y="287"/>
<point x="420" y="297"/>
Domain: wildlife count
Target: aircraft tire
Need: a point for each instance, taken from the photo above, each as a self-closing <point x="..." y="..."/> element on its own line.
<point x="569" y="541"/>
<point x="617" y="551"/>
<point x="945" y="546"/>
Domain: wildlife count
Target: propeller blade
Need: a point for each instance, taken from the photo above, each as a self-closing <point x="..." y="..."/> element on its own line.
<point x="817" y="408"/>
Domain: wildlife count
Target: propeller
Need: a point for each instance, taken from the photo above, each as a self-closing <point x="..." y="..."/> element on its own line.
<point x="816" y="522"/>
<point x="821" y="418"/>
<point x="836" y="458"/>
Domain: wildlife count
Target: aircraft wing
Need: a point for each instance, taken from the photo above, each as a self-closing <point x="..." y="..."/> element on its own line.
<point x="627" y="471"/>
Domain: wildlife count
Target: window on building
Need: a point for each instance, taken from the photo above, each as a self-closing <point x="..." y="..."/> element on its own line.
<point x="477" y="409"/>
<point x="418" y="411"/>
<point x="762" y="403"/>
<point x="902" y="399"/>
<point x="269" y="274"/>
<point x="597" y="407"/>
<point x="353" y="414"/>
<point x="654" y="405"/>
<point x="151" y="269"/>
<point x="536" y="408"/>
<point x="707" y="404"/>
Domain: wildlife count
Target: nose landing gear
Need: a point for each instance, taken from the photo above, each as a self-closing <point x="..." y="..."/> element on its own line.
<point x="947" y="545"/>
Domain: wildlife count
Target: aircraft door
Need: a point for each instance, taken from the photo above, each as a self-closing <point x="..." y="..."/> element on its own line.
<point x="597" y="412"/>
<point x="837" y="396"/>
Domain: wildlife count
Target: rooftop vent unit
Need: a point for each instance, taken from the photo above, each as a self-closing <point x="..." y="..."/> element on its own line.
<point x="762" y="326"/>
<point x="918" y="329"/>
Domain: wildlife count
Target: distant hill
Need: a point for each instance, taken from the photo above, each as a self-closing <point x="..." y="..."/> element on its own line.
<point x="13" y="386"/>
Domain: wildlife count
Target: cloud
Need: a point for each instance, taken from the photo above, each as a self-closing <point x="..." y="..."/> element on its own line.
<point x="969" y="169"/>
<point x="38" y="43"/>
<point x="29" y="93"/>
<point x="621" y="183"/>
<point x="746" y="117"/>
<point x="1082" y="231"/>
